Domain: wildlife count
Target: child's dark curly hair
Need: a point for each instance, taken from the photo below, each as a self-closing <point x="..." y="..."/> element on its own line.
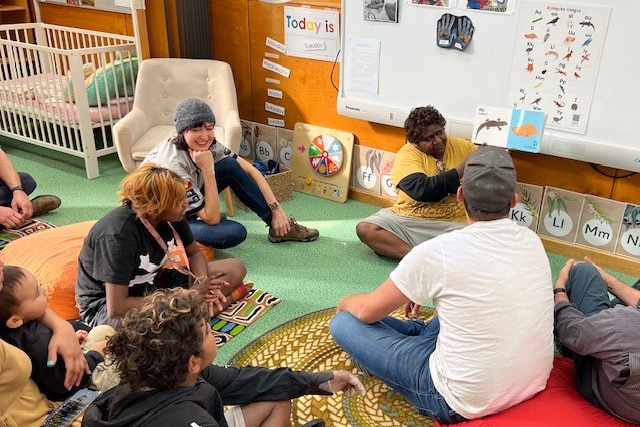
<point x="418" y="120"/>
<point x="153" y="343"/>
<point x="9" y="304"/>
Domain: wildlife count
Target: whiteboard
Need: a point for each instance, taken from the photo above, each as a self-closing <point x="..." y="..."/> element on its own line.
<point x="414" y="71"/>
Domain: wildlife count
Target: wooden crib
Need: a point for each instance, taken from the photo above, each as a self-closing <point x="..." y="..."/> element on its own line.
<point x="64" y="88"/>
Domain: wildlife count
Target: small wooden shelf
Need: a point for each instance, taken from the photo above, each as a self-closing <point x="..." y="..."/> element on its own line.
<point x="14" y="12"/>
<point x="11" y="8"/>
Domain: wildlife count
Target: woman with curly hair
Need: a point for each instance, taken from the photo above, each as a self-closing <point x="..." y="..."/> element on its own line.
<point x="426" y="174"/>
<point x="146" y="244"/>
<point x="164" y="351"/>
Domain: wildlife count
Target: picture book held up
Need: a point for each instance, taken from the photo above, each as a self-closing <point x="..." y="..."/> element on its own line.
<point x="509" y="128"/>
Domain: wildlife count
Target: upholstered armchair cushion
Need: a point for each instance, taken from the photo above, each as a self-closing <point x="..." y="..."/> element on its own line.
<point x="162" y="83"/>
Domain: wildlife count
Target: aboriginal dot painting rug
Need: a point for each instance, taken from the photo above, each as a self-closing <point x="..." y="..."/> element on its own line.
<point x="305" y="344"/>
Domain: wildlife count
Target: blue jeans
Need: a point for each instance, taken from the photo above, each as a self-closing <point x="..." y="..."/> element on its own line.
<point x="229" y="233"/>
<point x="588" y="292"/>
<point x="397" y="352"/>
<point x="6" y="195"/>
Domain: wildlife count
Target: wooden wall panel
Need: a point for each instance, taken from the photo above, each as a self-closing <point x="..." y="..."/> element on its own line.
<point x="309" y="95"/>
<point x="229" y="25"/>
<point x="86" y="18"/>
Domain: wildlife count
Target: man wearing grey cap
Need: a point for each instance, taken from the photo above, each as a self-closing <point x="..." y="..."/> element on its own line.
<point x="491" y="344"/>
<point x="209" y="167"/>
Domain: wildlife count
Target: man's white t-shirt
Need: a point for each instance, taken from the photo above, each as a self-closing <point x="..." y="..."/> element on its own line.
<point x="491" y="286"/>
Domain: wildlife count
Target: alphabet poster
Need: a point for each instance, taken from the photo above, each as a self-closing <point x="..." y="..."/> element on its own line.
<point x="366" y="169"/>
<point x="599" y="222"/>
<point x="246" y="144"/>
<point x="629" y="237"/>
<point x="560" y="215"/>
<point x="527" y="211"/>
<point x="555" y="64"/>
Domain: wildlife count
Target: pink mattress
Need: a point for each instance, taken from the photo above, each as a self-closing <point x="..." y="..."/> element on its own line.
<point x="44" y="96"/>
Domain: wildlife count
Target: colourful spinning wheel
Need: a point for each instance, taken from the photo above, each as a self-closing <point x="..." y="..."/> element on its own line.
<point x="325" y="155"/>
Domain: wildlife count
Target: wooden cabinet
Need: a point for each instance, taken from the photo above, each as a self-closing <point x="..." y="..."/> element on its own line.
<point x="14" y="11"/>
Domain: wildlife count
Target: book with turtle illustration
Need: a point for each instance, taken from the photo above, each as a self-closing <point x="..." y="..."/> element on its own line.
<point x="509" y="128"/>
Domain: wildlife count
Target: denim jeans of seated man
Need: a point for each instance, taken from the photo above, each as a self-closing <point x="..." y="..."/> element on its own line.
<point x="6" y="195"/>
<point x="397" y="352"/>
<point x="230" y="233"/>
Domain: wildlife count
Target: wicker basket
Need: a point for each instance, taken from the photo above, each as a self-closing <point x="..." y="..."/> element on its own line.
<point x="281" y="184"/>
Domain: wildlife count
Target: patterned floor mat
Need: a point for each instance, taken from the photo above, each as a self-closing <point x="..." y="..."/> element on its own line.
<point x="241" y="314"/>
<point x="305" y="344"/>
<point x="31" y="226"/>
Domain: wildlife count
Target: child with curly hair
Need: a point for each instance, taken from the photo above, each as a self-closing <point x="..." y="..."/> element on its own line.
<point x="164" y="351"/>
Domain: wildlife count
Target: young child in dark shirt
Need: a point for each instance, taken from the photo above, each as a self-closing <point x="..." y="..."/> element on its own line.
<point x="23" y="303"/>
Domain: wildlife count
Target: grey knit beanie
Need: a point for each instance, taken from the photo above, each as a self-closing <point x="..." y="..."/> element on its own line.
<point x="192" y="111"/>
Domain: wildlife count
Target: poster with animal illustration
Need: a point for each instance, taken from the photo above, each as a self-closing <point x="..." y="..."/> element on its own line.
<point x="246" y="144"/>
<point x="366" y="169"/>
<point x="628" y="242"/>
<point x="321" y="161"/>
<point x="264" y="138"/>
<point x="527" y="211"/>
<point x="387" y="189"/>
<point x="599" y="222"/>
<point x="555" y="64"/>
<point x="510" y="128"/>
<point x="560" y="214"/>
<point x="283" y="146"/>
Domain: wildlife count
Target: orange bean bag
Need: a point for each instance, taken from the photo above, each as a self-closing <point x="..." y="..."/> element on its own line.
<point x="52" y="256"/>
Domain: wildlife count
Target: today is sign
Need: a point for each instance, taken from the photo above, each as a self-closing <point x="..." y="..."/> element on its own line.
<point x="312" y="33"/>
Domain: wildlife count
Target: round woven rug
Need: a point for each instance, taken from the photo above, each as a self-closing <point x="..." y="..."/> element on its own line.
<point x="305" y="344"/>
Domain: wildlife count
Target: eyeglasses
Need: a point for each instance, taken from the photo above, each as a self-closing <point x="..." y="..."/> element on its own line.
<point x="430" y="138"/>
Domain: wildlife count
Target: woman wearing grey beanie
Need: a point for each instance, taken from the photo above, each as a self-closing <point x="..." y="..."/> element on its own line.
<point x="210" y="167"/>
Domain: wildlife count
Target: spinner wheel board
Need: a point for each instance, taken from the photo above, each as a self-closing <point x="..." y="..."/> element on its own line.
<point x="321" y="161"/>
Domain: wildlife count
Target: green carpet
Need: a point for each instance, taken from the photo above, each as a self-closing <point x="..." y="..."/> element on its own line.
<point x="306" y="276"/>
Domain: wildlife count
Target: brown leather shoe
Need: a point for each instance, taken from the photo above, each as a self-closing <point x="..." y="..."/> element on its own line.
<point x="44" y="204"/>
<point x="297" y="233"/>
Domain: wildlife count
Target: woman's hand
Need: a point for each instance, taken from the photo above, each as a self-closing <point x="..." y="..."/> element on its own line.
<point x="64" y="342"/>
<point x="203" y="159"/>
<point x="279" y="222"/>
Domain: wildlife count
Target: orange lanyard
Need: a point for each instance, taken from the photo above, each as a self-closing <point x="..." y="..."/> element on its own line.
<point x="177" y="255"/>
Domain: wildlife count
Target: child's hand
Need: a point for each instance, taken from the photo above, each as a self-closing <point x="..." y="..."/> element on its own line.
<point x="82" y="336"/>
<point x="99" y="346"/>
